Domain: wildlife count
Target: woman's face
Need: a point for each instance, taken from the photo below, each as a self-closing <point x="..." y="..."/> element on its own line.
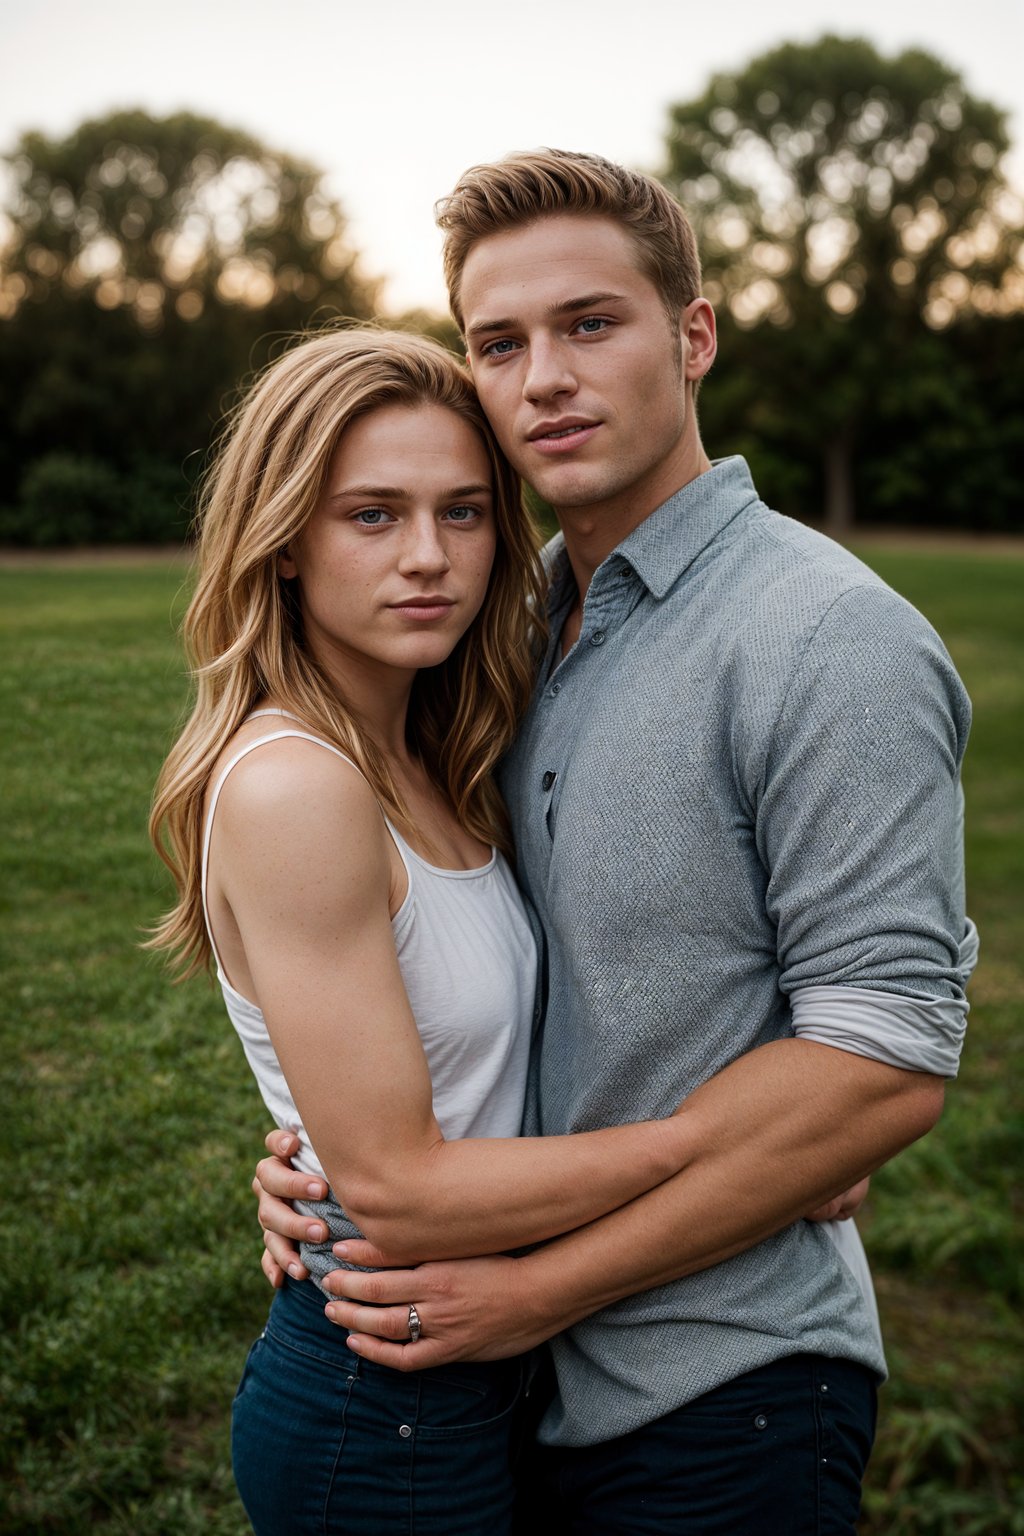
<point x="394" y="563"/>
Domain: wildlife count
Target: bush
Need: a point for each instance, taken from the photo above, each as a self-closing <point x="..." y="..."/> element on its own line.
<point x="72" y="499"/>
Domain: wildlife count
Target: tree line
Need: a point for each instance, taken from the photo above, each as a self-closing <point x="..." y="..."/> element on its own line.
<point x="860" y="243"/>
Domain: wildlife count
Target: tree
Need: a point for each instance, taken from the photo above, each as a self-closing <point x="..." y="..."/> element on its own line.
<point x="845" y="203"/>
<point x="173" y="214"/>
<point x="149" y="264"/>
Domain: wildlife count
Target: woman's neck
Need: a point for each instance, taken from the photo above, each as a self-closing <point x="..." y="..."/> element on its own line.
<point x="378" y="696"/>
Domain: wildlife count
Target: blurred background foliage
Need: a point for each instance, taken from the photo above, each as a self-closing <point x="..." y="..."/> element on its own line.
<point x="859" y="237"/>
<point x="861" y="245"/>
<point x="152" y="266"/>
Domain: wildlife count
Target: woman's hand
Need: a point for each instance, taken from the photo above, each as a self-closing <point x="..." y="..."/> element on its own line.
<point x="469" y="1309"/>
<point x="276" y="1183"/>
<point x="843" y="1206"/>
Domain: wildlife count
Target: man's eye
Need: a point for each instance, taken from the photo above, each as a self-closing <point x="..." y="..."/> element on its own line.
<point x="592" y="325"/>
<point x="371" y="517"/>
<point x="499" y="348"/>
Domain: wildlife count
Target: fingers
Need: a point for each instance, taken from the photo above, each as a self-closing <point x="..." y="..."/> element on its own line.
<point x="382" y="1288"/>
<point x="400" y="1357"/>
<point x="843" y="1206"/>
<point x="272" y="1270"/>
<point x="382" y="1322"/>
<point x="288" y="1183"/>
<point x="283" y="1256"/>
<point x="854" y="1198"/>
<point x="283" y="1144"/>
<point x="278" y="1217"/>
<point x="362" y="1252"/>
<point x="827" y="1212"/>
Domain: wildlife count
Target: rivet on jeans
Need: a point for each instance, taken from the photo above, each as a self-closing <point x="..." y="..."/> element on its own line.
<point x="404" y="1431"/>
<point x="761" y="1421"/>
<point x="823" y="1387"/>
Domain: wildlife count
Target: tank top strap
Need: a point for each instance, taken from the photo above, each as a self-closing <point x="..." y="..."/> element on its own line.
<point x="250" y="746"/>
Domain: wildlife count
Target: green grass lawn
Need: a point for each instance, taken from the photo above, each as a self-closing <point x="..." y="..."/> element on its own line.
<point x="129" y="1280"/>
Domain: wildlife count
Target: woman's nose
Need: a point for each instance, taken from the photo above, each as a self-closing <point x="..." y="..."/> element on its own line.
<point x="423" y="548"/>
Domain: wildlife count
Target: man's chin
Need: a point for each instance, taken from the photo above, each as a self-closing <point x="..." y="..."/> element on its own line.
<point x="572" y="488"/>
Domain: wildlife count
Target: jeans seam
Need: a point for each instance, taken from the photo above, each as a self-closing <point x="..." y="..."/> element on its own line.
<point x="819" y="1448"/>
<point x="307" y="1354"/>
<point x="412" y="1456"/>
<point x="337" y="1455"/>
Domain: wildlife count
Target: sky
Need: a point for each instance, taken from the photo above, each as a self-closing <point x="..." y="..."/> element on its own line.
<point x="394" y="98"/>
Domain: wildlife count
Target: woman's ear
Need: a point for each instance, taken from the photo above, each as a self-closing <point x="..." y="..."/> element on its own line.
<point x="286" y="566"/>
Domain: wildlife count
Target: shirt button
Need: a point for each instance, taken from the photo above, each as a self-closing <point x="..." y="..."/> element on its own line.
<point x="404" y="1431"/>
<point x="548" y="779"/>
<point x="598" y="637"/>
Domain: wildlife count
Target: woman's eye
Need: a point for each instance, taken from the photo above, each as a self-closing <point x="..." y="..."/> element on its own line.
<point x="371" y="517"/>
<point x="463" y="514"/>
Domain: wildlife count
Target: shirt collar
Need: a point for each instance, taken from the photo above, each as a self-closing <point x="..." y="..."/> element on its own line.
<point x="669" y="541"/>
<point x="671" y="538"/>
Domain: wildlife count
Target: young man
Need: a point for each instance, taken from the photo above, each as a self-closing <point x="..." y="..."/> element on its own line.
<point x="736" y="807"/>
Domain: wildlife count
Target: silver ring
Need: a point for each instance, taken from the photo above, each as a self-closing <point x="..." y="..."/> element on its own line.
<point x="415" y="1326"/>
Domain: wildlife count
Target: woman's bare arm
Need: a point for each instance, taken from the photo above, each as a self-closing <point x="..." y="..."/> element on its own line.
<point x="301" y="853"/>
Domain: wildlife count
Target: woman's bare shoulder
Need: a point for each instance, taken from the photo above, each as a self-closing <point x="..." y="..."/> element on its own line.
<point x="291" y="782"/>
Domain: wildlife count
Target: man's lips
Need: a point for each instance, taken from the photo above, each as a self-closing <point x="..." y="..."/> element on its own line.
<point x="554" y="437"/>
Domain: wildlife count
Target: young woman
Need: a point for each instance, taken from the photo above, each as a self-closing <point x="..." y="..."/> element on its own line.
<point x="363" y="637"/>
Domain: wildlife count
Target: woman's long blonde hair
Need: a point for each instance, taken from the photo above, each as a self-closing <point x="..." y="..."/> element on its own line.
<point x="243" y="631"/>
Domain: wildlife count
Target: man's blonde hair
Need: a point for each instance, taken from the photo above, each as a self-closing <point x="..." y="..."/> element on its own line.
<point x="535" y="184"/>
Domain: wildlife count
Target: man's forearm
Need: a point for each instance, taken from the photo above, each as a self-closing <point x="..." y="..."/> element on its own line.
<point x="777" y="1132"/>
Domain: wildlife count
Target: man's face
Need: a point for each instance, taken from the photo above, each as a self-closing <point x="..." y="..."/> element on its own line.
<point x="578" y="367"/>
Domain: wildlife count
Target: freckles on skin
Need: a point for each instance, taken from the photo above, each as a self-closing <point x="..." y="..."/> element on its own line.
<point x="406" y="514"/>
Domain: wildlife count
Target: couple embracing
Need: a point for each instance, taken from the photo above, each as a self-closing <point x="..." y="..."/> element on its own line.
<point x="596" y="922"/>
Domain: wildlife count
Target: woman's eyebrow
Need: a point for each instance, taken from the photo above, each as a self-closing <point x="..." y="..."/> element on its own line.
<point x="396" y="493"/>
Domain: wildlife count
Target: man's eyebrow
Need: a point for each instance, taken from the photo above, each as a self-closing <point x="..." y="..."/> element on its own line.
<point x="395" y="493"/>
<point x="485" y="327"/>
<point x="563" y="307"/>
<point x="588" y="301"/>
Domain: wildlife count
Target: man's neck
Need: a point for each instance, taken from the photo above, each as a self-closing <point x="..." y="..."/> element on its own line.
<point x="592" y="532"/>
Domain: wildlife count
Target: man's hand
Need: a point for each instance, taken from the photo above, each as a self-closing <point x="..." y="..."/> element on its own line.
<point x="469" y="1309"/>
<point x="275" y="1183"/>
<point x="843" y="1206"/>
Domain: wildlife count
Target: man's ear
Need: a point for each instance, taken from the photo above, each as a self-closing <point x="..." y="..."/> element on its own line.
<point x="286" y="566"/>
<point x="700" y="338"/>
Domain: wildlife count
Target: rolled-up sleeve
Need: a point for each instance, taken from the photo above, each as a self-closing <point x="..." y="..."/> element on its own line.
<point x="859" y="826"/>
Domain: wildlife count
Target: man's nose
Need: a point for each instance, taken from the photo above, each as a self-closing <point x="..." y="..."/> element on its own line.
<point x="548" y="372"/>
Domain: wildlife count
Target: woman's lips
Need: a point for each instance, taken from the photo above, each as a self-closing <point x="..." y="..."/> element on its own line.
<point x="422" y="610"/>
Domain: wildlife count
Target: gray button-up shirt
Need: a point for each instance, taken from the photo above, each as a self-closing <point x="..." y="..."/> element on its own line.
<point x="742" y="783"/>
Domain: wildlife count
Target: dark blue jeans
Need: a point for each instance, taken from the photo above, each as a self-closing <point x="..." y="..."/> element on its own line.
<point x="325" y="1443"/>
<point x="778" y="1452"/>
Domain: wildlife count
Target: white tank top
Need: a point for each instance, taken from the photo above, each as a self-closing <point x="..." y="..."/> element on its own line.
<point x="469" y="963"/>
